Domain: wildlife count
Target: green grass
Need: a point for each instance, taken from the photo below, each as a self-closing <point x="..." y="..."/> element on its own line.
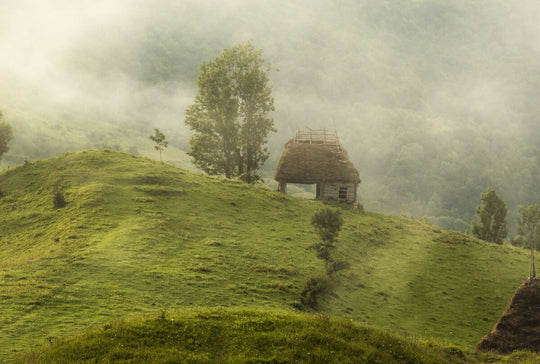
<point x="241" y="336"/>
<point x="140" y="237"/>
<point x="249" y="336"/>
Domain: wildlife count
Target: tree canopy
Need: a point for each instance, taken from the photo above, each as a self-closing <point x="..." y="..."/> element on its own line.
<point x="529" y="229"/>
<point x="529" y="223"/>
<point x="492" y="214"/>
<point x="160" y="140"/>
<point x="230" y="114"/>
<point x="6" y="134"/>
<point x="327" y="223"/>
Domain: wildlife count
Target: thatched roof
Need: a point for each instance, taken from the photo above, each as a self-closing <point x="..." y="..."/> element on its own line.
<point x="312" y="161"/>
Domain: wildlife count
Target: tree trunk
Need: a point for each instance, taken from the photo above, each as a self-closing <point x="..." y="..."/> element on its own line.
<point x="532" y="268"/>
<point x="239" y="162"/>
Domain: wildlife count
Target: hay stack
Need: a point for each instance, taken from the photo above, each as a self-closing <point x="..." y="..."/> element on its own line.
<point x="519" y="325"/>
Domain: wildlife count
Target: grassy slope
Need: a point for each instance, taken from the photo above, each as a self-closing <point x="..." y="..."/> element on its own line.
<point x="241" y="335"/>
<point x="139" y="237"/>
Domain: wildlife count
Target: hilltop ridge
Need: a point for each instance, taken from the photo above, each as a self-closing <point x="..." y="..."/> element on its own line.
<point x="140" y="237"/>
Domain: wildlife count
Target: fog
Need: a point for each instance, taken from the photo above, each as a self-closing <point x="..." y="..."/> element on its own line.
<point x="35" y="34"/>
<point x="429" y="80"/>
<point x="325" y="52"/>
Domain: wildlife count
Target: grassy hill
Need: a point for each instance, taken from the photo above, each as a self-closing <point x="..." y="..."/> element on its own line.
<point x="139" y="237"/>
<point x="241" y="335"/>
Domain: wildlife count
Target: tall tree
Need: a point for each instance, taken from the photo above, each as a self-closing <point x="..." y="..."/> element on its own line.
<point x="492" y="214"/>
<point x="6" y="134"/>
<point x="230" y="114"/>
<point x="160" y="140"/>
<point x="529" y="229"/>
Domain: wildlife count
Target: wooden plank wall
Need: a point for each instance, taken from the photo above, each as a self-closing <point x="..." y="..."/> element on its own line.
<point x="331" y="190"/>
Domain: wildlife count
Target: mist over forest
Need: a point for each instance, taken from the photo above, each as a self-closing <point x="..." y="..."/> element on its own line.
<point x="434" y="100"/>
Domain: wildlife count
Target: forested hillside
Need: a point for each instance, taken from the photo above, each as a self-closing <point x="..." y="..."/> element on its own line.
<point x="434" y="100"/>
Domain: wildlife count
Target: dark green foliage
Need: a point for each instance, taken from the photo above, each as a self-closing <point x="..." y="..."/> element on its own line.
<point x="6" y="134"/>
<point x="316" y="287"/>
<point x="229" y="114"/>
<point x="327" y="223"/>
<point x="492" y="215"/>
<point x="160" y="140"/>
<point x="323" y="250"/>
<point x="529" y="225"/>
<point x="529" y="229"/>
<point x="337" y="266"/>
<point x="59" y="200"/>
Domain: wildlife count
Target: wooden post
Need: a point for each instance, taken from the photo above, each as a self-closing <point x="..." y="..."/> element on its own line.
<point x="282" y="186"/>
<point x="532" y="268"/>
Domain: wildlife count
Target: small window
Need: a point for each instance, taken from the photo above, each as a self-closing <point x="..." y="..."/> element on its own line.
<point x="343" y="193"/>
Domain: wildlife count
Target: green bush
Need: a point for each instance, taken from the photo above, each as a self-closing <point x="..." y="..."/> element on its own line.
<point x="316" y="287"/>
<point x="59" y="200"/>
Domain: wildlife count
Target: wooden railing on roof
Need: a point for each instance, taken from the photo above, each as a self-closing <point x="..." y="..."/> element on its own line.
<point x="317" y="137"/>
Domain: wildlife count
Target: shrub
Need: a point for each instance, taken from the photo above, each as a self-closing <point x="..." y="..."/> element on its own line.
<point x="327" y="223"/>
<point x="59" y="200"/>
<point x="316" y="287"/>
<point x="336" y="267"/>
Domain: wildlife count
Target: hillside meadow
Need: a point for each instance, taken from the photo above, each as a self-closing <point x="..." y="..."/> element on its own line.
<point x="139" y="238"/>
<point x="248" y="336"/>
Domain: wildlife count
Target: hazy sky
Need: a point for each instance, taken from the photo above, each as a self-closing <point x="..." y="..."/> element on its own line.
<point x="39" y="39"/>
<point x="37" y="34"/>
<point x="305" y="40"/>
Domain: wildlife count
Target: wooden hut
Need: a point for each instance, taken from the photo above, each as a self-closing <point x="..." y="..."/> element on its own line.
<point x="317" y="157"/>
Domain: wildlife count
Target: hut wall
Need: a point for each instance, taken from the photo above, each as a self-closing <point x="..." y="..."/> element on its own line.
<point x="341" y="191"/>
